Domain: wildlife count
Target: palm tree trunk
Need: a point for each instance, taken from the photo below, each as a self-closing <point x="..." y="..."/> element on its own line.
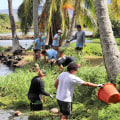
<point x="110" y="49"/>
<point x="15" y="42"/>
<point x="35" y="18"/>
<point x="73" y="21"/>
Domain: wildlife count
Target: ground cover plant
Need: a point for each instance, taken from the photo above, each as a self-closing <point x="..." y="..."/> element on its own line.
<point x="86" y="106"/>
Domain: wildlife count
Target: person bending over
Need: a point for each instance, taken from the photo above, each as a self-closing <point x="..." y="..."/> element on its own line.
<point x="50" y="54"/>
<point x="63" y="62"/>
<point x="36" y="91"/>
<point x="65" y="84"/>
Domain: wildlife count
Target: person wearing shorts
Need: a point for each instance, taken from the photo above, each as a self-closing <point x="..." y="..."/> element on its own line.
<point x="65" y="85"/>
<point x="56" y="41"/>
<point x="80" y="38"/>
<point x="39" y="43"/>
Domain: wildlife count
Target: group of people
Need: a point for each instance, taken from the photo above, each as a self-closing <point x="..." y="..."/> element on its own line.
<point x="65" y="82"/>
<point x="39" y="44"/>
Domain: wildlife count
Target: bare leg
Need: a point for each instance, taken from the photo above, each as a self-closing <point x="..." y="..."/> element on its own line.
<point x="38" y="55"/>
<point x="61" y="115"/>
<point x="64" y="117"/>
<point x="58" y="49"/>
<point x="34" y="56"/>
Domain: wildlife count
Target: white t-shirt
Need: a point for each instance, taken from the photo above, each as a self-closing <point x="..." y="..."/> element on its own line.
<point x="67" y="83"/>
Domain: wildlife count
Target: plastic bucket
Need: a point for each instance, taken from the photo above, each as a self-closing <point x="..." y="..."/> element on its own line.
<point x="108" y="94"/>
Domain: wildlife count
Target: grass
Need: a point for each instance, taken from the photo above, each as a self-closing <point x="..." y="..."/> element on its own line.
<point x="97" y="40"/>
<point x="2" y="49"/>
<point x="86" y="106"/>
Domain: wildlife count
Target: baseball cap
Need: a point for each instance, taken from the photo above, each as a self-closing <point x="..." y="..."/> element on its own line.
<point x="73" y="66"/>
<point x="60" y="31"/>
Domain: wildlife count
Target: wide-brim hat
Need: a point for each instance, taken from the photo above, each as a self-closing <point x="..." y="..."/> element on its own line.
<point x="36" y="65"/>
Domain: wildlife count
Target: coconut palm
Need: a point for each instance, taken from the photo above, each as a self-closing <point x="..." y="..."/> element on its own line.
<point x="15" y="42"/>
<point x="110" y="49"/>
<point x="84" y="13"/>
<point x="28" y="13"/>
<point x="115" y="7"/>
<point x="55" y="16"/>
<point x="25" y="15"/>
<point x="35" y="18"/>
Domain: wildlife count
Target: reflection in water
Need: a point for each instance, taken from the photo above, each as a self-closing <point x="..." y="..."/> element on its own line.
<point x="4" y="70"/>
<point x="94" y="60"/>
<point x="9" y="115"/>
<point x="24" y="43"/>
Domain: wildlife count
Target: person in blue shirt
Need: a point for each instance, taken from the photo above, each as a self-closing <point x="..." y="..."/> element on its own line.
<point x="51" y="54"/>
<point x="56" y="41"/>
<point x="39" y="42"/>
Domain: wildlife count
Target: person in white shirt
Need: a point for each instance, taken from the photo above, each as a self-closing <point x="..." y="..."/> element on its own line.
<point x="65" y="84"/>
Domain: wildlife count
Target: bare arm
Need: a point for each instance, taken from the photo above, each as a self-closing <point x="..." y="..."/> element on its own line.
<point x="74" y="37"/>
<point x="45" y="60"/>
<point x="83" y="38"/>
<point x="34" y="46"/>
<point x="60" y="68"/>
<point x="90" y="84"/>
<point x="56" y="83"/>
<point x="55" y="38"/>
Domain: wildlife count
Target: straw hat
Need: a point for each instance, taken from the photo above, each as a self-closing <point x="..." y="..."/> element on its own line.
<point x="40" y="73"/>
<point x="36" y="66"/>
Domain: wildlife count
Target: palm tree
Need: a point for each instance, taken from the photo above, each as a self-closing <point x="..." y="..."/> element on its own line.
<point x="15" y="42"/>
<point x="110" y="49"/>
<point x="35" y="18"/>
<point x="84" y="13"/>
<point x="54" y="16"/>
<point x="25" y="14"/>
<point x="73" y="20"/>
<point x="115" y="7"/>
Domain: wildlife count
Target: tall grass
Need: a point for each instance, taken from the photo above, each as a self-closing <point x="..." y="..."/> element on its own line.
<point x="86" y="106"/>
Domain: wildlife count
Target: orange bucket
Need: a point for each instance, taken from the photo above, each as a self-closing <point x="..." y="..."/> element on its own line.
<point x="108" y="94"/>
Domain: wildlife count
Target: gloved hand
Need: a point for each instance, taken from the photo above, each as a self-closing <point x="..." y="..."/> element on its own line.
<point x="100" y="85"/>
<point x="51" y="96"/>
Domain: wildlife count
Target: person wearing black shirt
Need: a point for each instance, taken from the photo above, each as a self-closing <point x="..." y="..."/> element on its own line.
<point x="63" y="62"/>
<point x="36" y="91"/>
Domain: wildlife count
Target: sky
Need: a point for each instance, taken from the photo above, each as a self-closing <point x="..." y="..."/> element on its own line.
<point x="16" y="3"/>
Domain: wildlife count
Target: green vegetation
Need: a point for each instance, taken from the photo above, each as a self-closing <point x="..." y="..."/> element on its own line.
<point x="15" y="86"/>
<point x="97" y="40"/>
<point x="86" y="106"/>
<point x="4" y="23"/>
<point x="2" y="49"/>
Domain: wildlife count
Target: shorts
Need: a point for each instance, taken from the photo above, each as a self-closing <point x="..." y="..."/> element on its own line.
<point x="65" y="107"/>
<point x="36" y="50"/>
<point x="79" y="45"/>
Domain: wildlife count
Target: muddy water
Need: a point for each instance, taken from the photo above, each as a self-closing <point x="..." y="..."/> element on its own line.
<point x="5" y="70"/>
<point x="94" y="60"/>
<point x="9" y="115"/>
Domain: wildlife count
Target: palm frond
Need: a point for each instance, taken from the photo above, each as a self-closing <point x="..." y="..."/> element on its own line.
<point x="115" y="7"/>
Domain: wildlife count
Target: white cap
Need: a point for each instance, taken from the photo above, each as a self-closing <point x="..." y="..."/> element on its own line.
<point x="60" y="31"/>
